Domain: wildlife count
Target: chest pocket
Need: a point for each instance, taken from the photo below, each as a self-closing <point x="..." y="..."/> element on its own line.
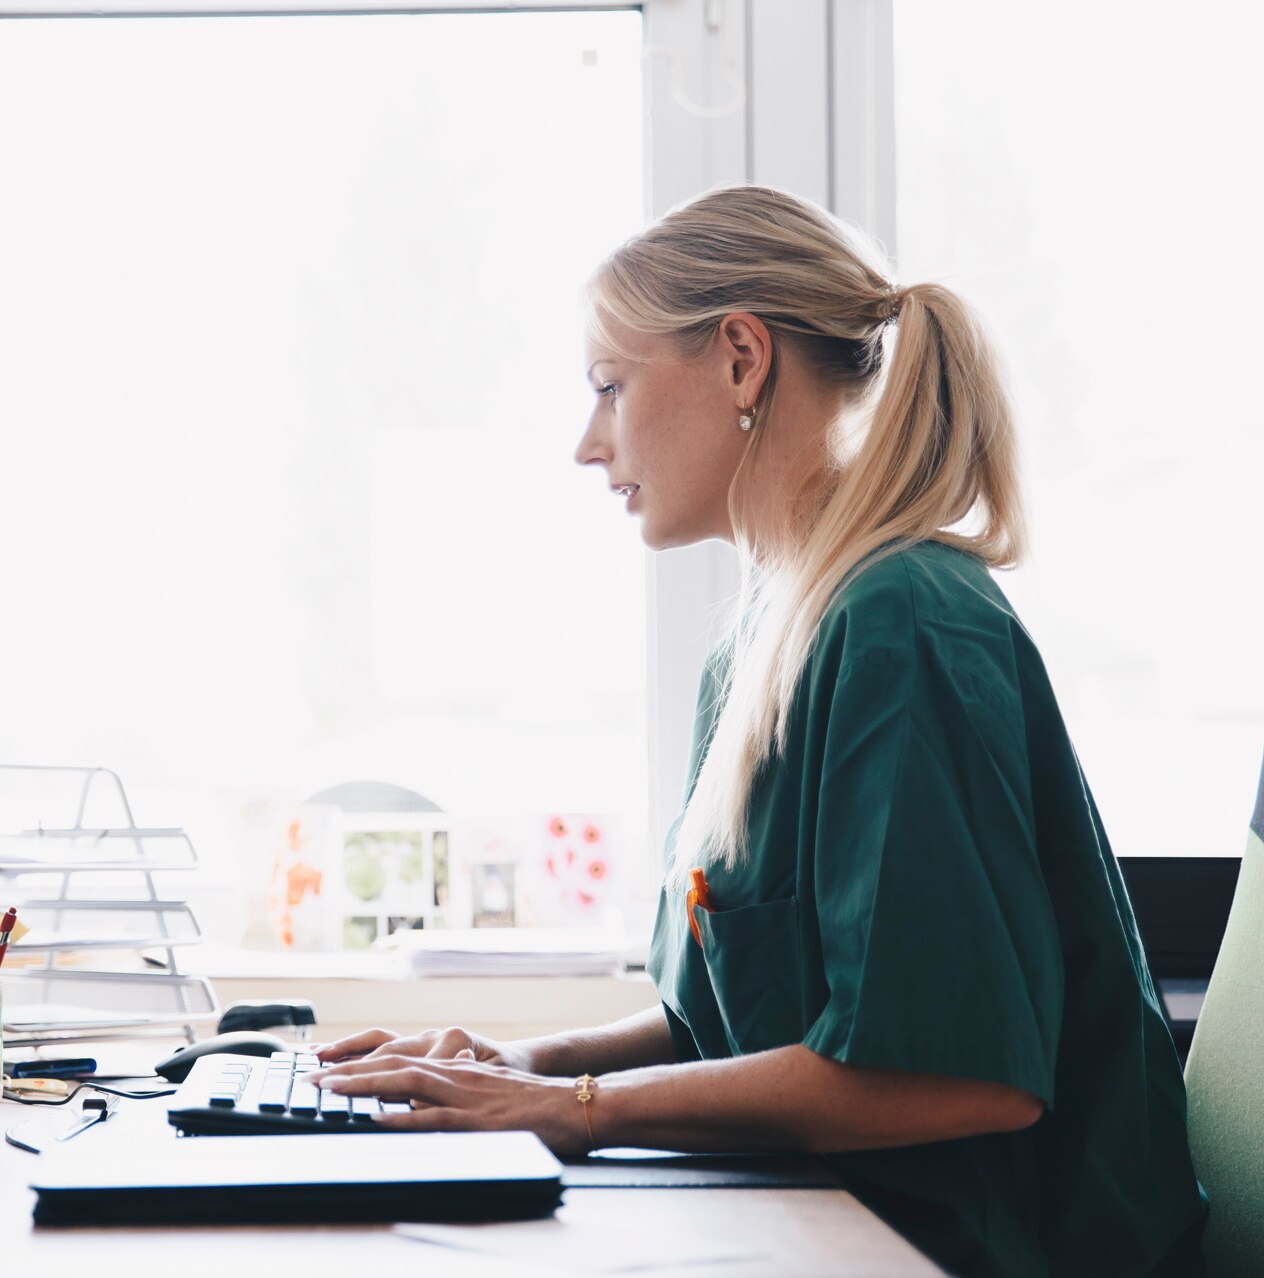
<point x="752" y="958"/>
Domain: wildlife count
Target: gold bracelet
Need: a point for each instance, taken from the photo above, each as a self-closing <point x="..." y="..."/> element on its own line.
<point x="585" y="1085"/>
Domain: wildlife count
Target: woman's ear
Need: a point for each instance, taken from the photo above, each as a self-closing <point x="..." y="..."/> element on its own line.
<point x="746" y="347"/>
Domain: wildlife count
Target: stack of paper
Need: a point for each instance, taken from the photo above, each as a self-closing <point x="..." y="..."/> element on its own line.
<point x="33" y="1017"/>
<point x="509" y="951"/>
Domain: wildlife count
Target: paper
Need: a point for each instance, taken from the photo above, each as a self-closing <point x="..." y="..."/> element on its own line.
<point x="520" y="951"/>
<point x="48" y="1016"/>
<point x="42" y="940"/>
<point x="582" y="1242"/>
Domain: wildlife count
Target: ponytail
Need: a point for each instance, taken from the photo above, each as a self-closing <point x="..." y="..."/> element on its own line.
<point x="935" y="458"/>
<point x="942" y="445"/>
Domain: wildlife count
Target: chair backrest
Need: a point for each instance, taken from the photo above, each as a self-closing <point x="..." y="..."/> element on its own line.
<point x="1225" y="1079"/>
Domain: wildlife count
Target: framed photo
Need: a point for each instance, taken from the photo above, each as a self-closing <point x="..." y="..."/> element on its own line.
<point x="347" y="880"/>
<point x="395" y="874"/>
<point x="492" y="901"/>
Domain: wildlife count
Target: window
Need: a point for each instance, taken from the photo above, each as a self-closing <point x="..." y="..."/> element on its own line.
<point x="292" y="380"/>
<point x="1082" y="173"/>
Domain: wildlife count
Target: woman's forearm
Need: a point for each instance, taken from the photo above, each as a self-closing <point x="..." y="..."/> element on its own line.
<point x="793" y="1099"/>
<point x="636" y="1041"/>
<point x="786" y="1099"/>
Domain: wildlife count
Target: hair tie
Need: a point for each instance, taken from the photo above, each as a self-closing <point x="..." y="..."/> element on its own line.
<point x="895" y="303"/>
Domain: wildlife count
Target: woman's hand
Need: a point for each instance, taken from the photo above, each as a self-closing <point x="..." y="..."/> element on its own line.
<point x="440" y="1044"/>
<point x="462" y="1095"/>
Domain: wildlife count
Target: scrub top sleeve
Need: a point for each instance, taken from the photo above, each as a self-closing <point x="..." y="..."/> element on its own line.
<point x="682" y="1039"/>
<point x="939" y="942"/>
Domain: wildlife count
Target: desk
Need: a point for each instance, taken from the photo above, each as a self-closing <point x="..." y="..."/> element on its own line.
<point x="798" y="1231"/>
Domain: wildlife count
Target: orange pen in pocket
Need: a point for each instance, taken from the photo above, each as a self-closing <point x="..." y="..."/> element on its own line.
<point x="698" y="894"/>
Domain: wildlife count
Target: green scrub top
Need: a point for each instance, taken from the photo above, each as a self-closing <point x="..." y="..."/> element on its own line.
<point x="930" y="888"/>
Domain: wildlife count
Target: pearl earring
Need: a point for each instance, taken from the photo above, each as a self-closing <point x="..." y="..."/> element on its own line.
<point x="747" y="419"/>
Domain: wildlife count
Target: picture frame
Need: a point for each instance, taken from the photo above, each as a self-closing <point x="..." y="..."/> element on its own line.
<point x="394" y="873"/>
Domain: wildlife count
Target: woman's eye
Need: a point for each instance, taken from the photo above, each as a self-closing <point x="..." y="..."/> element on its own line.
<point x="607" y="389"/>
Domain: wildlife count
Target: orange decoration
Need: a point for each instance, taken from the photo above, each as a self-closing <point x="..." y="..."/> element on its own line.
<point x="299" y="880"/>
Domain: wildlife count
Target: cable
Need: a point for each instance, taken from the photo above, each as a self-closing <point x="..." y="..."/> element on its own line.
<point x="13" y="1134"/>
<point x="13" y="1137"/>
<point x="96" y="1087"/>
<point x="116" y="1078"/>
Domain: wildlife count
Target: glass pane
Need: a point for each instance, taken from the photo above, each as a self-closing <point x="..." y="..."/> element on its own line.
<point x="1082" y="172"/>
<point x="291" y="376"/>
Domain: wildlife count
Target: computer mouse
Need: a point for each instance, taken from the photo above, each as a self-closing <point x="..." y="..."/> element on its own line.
<point x="175" y="1068"/>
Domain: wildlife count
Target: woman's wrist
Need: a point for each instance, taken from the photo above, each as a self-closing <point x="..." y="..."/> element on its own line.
<point x="533" y="1055"/>
<point x="564" y="1055"/>
<point x="585" y="1090"/>
<point x="634" y="1042"/>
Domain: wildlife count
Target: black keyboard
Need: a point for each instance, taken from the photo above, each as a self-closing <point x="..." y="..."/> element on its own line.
<point x="237" y="1095"/>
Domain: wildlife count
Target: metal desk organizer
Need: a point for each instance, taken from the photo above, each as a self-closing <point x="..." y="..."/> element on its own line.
<point x="101" y="959"/>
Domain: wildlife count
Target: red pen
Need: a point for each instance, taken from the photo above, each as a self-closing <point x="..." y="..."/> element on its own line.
<point x="6" y="930"/>
<point x="698" y="894"/>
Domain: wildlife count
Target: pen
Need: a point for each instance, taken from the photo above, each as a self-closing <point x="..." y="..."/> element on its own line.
<point x="698" y="894"/>
<point x="7" y="925"/>
<point x="10" y="930"/>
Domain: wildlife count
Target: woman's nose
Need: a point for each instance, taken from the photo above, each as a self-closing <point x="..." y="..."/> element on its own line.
<point x="590" y="449"/>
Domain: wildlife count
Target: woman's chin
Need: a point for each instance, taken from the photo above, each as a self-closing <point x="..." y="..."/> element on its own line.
<point x="674" y="539"/>
<point x="658" y="534"/>
<point x="655" y="536"/>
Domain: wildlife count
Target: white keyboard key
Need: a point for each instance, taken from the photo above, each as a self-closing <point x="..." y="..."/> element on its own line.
<point x="304" y="1099"/>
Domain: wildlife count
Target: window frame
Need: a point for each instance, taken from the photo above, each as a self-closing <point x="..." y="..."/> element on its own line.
<point x="798" y="96"/>
<point x="816" y="81"/>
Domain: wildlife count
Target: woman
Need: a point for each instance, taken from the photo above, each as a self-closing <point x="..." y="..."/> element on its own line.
<point x="891" y="928"/>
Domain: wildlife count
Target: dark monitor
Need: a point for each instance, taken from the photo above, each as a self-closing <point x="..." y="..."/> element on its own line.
<point x="1182" y="906"/>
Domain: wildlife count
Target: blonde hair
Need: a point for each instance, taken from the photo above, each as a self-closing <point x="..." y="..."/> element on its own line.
<point x="925" y="444"/>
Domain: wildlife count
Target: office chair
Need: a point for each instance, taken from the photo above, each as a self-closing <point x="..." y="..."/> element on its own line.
<point x="1224" y="1079"/>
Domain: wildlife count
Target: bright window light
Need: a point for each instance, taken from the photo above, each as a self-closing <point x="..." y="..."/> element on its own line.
<point x="291" y="376"/>
<point x="1083" y="172"/>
